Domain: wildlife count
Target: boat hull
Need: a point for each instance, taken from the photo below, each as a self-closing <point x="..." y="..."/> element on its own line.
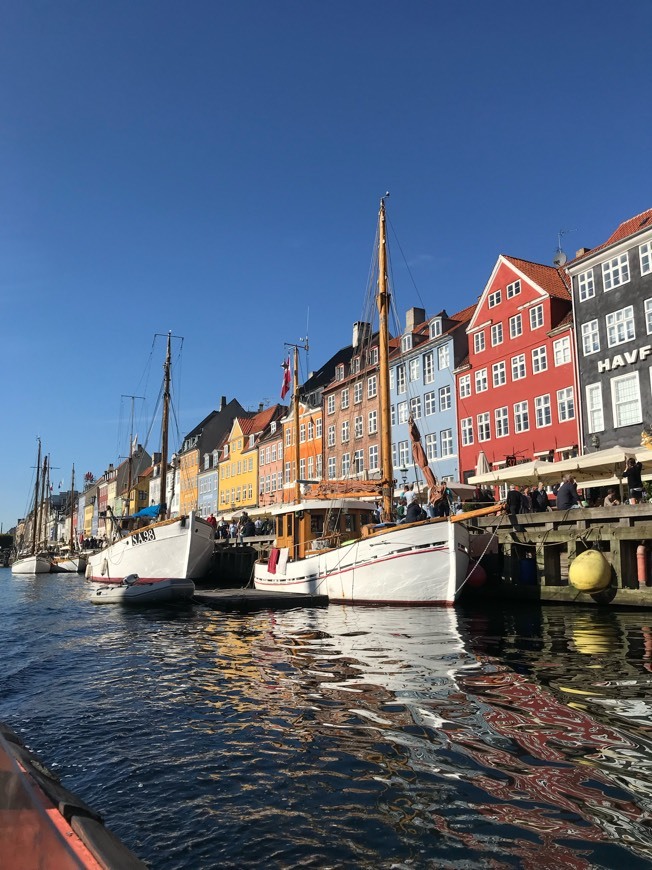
<point x="181" y="548"/>
<point x="31" y="565"/>
<point x="140" y="593"/>
<point x="73" y="565"/>
<point x="420" y="564"/>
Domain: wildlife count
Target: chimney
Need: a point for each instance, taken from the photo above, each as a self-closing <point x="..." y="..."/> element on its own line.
<point x="581" y="251"/>
<point x="413" y="318"/>
<point x="261" y="406"/>
<point x="361" y="333"/>
<point x="222" y="403"/>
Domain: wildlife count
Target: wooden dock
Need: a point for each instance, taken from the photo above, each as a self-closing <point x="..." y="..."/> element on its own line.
<point x="530" y="554"/>
<point x="250" y="600"/>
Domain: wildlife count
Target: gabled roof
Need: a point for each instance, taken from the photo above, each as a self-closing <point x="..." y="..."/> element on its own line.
<point x="261" y="420"/>
<point x="627" y="228"/>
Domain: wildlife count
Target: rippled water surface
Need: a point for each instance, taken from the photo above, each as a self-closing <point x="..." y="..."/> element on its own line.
<point x="341" y="737"/>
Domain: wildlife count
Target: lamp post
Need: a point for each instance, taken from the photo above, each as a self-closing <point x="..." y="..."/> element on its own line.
<point x="403" y="472"/>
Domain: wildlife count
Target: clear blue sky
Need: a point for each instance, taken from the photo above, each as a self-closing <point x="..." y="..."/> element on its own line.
<point x="214" y="169"/>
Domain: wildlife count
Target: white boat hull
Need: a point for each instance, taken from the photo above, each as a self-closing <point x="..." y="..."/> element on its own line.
<point x="145" y="593"/>
<point x="422" y="564"/>
<point x="179" y="548"/>
<point x="31" y="565"/>
<point x="72" y="565"/>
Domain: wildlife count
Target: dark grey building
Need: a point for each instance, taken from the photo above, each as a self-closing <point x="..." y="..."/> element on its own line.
<point x="612" y="305"/>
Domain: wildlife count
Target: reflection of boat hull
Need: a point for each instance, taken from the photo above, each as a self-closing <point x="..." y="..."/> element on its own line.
<point x="181" y="547"/>
<point x="424" y="563"/>
<point x="142" y="593"/>
<point x="31" y="565"/>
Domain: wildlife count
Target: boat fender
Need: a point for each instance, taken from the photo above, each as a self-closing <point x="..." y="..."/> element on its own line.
<point x="105" y="567"/>
<point x="89" y="571"/>
<point x="590" y="571"/>
<point x="477" y="575"/>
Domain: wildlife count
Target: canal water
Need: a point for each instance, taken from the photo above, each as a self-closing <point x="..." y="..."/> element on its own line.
<point x="340" y="737"/>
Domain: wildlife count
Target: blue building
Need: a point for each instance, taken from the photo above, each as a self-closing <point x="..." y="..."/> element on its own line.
<point x="422" y="386"/>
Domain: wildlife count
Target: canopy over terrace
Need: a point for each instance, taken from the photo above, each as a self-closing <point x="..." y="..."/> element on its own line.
<point x="601" y="468"/>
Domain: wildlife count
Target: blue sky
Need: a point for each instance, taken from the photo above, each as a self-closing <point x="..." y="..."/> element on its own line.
<point x="214" y="169"/>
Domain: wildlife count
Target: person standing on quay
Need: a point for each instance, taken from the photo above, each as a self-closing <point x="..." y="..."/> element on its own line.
<point x="633" y="474"/>
<point x="567" y="496"/>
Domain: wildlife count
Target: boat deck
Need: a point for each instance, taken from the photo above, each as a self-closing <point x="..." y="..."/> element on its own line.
<point x="249" y="600"/>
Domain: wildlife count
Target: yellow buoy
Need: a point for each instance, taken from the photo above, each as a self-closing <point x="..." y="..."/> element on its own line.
<point x="590" y="571"/>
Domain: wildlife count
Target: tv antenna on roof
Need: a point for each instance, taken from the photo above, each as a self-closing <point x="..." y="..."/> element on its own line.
<point x="560" y="258"/>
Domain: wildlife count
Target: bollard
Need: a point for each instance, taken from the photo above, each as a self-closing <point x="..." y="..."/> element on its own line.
<point x="641" y="565"/>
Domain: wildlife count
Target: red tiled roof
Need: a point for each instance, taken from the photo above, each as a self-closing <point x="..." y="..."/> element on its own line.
<point x="547" y="277"/>
<point x="465" y="314"/>
<point x="258" y="422"/>
<point x="626" y="228"/>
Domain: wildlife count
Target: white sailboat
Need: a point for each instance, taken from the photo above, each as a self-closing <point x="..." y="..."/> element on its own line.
<point x="33" y="562"/>
<point x="178" y="547"/>
<point x="70" y="560"/>
<point x="335" y="549"/>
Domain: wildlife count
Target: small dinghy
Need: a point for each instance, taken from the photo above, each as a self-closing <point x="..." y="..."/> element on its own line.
<point x="134" y="591"/>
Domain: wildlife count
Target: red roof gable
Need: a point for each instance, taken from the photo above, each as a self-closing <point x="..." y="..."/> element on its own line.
<point x="547" y="277"/>
<point x="627" y="228"/>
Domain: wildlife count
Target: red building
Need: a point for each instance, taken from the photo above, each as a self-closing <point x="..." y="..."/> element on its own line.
<point x="516" y="391"/>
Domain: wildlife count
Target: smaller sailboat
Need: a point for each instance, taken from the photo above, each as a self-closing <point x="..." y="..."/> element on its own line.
<point x="179" y="547"/>
<point x="70" y="560"/>
<point x="31" y="561"/>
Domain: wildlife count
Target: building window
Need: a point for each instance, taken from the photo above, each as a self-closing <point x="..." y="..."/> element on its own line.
<point x="648" y="315"/>
<point x="645" y="253"/>
<point x="542" y="411"/>
<point x="435" y="328"/>
<point x="339" y="373"/>
<point x="465" y="384"/>
<point x="594" y="407"/>
<point x="403" y="453"/>
<point x="372" y="386"/>
<point x="494" y="298"/>
<point x="357" y="393"/>
<point x="414" y="369"/>
<point x="311" y="430"/>
<point x="318" y="427"/>
<point x="501" y="419"/>
<point x="406" y="343"/>
<point x="402" y="409"/>
<point x="446" y="440"/>
<point x="431" y="446"/>
<point x="513" y="289"/>
<point x="478" y="342"/>
<point x="373" y="457"/>
<point x="562" y="351"/>
<point x="481" y="383"/>
<point x="615" y="272"/>
<point x="392" y="411"/>
<point x="400" y="379"/>
<point x="620" y="326"/>
<point x="372" y="422"/>
<point x="518" y="367"/>
<point x="429" y="403"/>
<point x="355" y="364"/>
<point x="428" y="367"/>
<point x="358" y="462"/>
<point x="373" y="356"/>
<point x="539" y="360"/>
<point x="496" y="334"/>
<point x="565" y="404"/>
<point x="345" y="398"/>
<point x="445" y="401"/>
<point x="586" y="285"/>
<point x="536" y="317"/>
<point x="443" y="357"/>
<point x="330" y="405"/>
<point x="302" y="469"/>
<point x="415" y="407"/>
<point x="358" y="427"/>
<point x="626" y="398"/>
<point x="467" y="431"/>
<point x="484" y="427"/>
<point x="499" y="374"/>
<point x="515" y="326"/>
<point x="590" y="337"/>
<point x="288" y="437"/>
<point x="302" y="433"/>
<point x="346" y="464"/>
<point x="345" y="431"/>
<point x="331" y="468"/>
<point x="521" y="417"/>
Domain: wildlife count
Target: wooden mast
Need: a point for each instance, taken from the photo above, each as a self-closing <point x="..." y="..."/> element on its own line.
<point x="44" y="475"/>
<point x="164" y="426"/>
<point x="72" y="508"/>
<point x="36" y="494"/>
<point x="295" y="412"/>
<point x="382" y="301"/>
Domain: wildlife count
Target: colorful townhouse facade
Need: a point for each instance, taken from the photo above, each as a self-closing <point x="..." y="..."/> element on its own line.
<point x="516" y="391"/>
<point x="270" y="466"/>
<point x="612" y="308"/>
<point x="422" y="388"/>
<point x="310" y="449"/>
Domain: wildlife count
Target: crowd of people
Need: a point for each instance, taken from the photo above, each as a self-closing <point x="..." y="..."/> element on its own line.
<point x="239" y="528"/>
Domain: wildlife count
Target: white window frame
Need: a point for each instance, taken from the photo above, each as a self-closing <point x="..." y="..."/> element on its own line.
<point x="496" y="334"/>
<point x="446" y="442"/>
<point x="406" y="343"/>
<point x="479" y="343"/>
<point x="542" y="409"/>
<point x="638" y="416"/>
<point x="481" y="381"/>
<point x="372" y="386"/>
<point x="536" y="317"/>
<point x="594" y="409"/>
<point x="431" y="446"/>
<point x="519" y="367"/>
<point x="484" y="426"/>
<point x="586" y="285"/>
<point x="415" y="407"/>
<point x="645" y="257"/>
<point x="513" y="289"/>
<point x="501" y="422"/>
<point x="435" y="328"/>
<point x="402" y="412"/>
<point x="539" y="360"/>
<point x="590" y="337"/>
<point x="565" y="404"/>
<point x="430" y="403"/>
<point x="443" y="357"/>
<point x="445" y="398"/>
<point x="373" y="457"/>
<point x="428" y="367"/>
<point x="372" y="422"/>
<point x="413" y="369"/>
<point x="494" y="298"/>
<point x="467" y="431"/>
<point x="330" y="404"/>
<point x="521" y="417"/>
<point x="344" y="398"/>
<point x="499" y="374"/>
<point x="615" y="272"/>
<point x="401" y="382"/>
<point x="561" y="349"/>
<point x="620" y="326"/>
<point x="515" y="326"/>
<point x="465" y="385"/>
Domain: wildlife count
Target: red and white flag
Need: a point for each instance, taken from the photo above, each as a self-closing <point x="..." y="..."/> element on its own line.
<point x="287" y="378"/>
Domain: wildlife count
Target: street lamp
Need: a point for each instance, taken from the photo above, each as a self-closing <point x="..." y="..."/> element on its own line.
<point x="403" y="472"/>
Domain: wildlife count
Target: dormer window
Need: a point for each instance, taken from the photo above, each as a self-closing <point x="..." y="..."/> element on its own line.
<point x="495" y="298"/>
<point x="252" y="440"/>
<point x="406" y="343"/>
<point x="355" y="364"/>
<point x="435" y="327"/>
<point x="226" y="450"/>
<point x="207" y="461"/>
<point x="272" y="426"/>
<point x="339" y="373"/>
<point x="373" y="356"/>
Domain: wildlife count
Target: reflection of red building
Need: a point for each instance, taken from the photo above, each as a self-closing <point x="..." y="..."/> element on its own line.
<point x="516" y="396"/>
